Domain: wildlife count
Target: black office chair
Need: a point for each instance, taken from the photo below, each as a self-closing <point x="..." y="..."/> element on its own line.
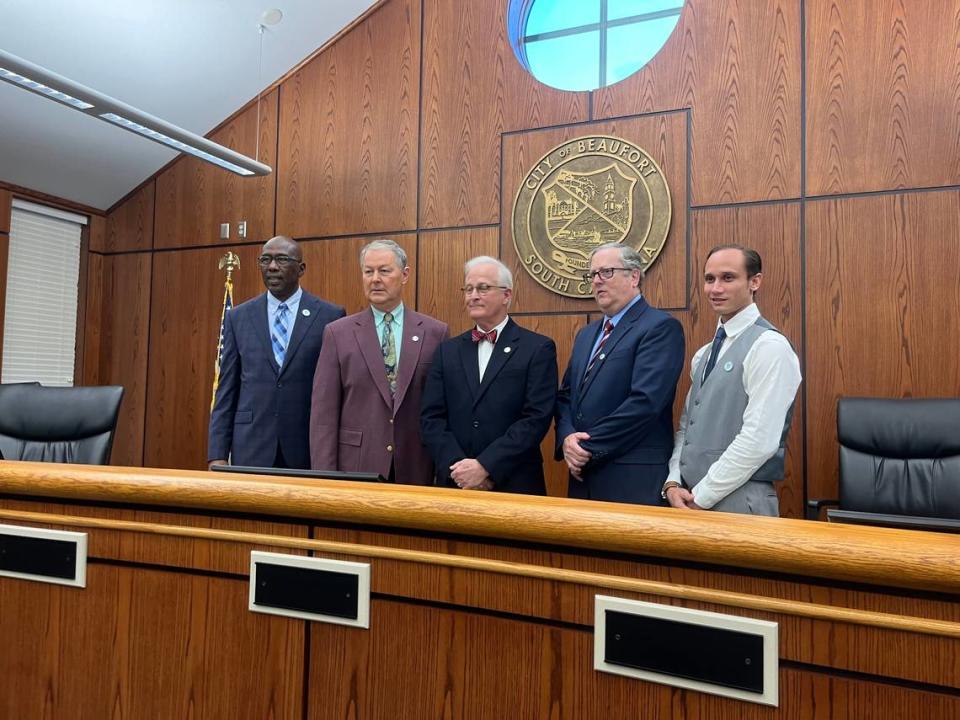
<point x="899" y="464"/>
<point x="58" y="424"/>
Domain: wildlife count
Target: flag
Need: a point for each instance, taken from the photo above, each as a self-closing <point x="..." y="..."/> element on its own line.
<point x="227" y="305"/>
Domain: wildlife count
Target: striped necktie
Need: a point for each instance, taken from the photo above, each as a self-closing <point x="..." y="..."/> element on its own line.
<point x="607" y="329"/>
<point x="280" y="334"/>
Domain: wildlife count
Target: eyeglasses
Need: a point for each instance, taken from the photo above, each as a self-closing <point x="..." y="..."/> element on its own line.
<point x="281" y="260"/>
<point x="605" y="273"/>
<point x="482" y="289"/>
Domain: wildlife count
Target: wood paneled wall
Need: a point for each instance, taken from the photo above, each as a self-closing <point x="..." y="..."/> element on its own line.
<point x="6" y="203"/>
<point x="823" y="133"/>
<point x="6" y="207"/>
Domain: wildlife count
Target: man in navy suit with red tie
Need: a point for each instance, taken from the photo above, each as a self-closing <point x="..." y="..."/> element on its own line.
<point x="490" y="394"/>
<point x="261" y="412"/>
<point x="615" y="406"/>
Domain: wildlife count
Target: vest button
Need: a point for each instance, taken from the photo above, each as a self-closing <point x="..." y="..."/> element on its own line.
<point x="476" y="424"/>
<point x="389" y="448"/>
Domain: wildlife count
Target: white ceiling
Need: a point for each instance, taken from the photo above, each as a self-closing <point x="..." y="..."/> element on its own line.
<point x="190" y="62"/>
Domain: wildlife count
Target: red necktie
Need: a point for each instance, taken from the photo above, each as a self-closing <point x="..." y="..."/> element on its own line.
<point x="607" y="329"/>
<point x="478" y="336"/>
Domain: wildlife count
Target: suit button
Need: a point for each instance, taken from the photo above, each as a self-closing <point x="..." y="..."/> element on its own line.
<point x="579" y="416"/>
<point x="389" y="448"/>
<point x="683" y="462"/>
<point x="391" y="421"/>
<point x="696" y="402"/>
<point x="476" y="424"/>
<point x="280" y="384"/>
<point x="692" y="422"/>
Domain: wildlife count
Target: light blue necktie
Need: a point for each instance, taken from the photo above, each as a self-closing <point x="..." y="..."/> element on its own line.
<point x="280" y="334"/>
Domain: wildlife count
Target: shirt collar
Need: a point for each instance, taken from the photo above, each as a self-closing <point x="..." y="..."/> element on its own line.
<point x="619" y="316"/>
<point x="741" y="321"/>
<point x="397" y="313"/>
<point x="499" y="328"/>
<point x="273" y="303"/>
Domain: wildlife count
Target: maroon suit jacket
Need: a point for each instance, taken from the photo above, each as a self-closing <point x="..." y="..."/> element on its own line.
<point x="355" y="425"/>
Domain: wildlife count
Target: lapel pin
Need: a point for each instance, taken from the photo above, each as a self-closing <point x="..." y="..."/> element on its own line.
<point x="602" y="356"/>
<point x="507" y="349"/>
<point x="416" y="338"/>
<point x="305" y="312"/>
<point x="727" y="366"/>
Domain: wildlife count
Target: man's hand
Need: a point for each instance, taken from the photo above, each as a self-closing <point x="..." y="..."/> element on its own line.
<point x="575" y="456"/>
<point x="215" y="462"/>
<point x="682" y="498"/>
<point x="678" y="497"/>
<point x="470" y="475"/>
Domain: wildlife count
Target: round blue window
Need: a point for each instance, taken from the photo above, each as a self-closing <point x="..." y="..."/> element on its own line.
<point x="588" y="44"/>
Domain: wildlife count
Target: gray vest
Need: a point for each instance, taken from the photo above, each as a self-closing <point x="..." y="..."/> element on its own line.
<point x="714" y="412"/>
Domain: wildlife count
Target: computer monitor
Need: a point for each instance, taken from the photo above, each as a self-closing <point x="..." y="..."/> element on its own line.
<point x="292" y="472"/>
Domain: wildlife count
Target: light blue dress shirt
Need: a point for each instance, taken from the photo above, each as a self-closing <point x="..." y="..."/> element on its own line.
<point x="615" y="319"/>
<point x="293" y="305"/>
<point x="396" y="325"/>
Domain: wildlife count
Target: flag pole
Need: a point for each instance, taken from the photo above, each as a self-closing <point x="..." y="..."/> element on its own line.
<point x="230" y="261"/>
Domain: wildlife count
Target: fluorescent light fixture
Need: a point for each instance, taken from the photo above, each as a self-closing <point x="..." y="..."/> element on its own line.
<point x="175" y="144"/>
<point x="26" y="75"/>
<point x="43" y="89"/>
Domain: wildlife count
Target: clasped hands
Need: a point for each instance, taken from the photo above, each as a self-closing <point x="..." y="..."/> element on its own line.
<point x="469" y="474"/>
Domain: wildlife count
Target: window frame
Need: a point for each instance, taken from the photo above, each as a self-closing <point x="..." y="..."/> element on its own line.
<point x="520" y="13"/>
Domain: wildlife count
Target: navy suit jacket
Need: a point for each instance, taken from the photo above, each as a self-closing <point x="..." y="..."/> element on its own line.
<point x="499" y="422"/>
<point x="626" y="405"/>
<point x="258" y="404"/>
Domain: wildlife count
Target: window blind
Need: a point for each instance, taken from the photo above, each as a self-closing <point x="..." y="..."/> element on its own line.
<point x="43" y="269"/>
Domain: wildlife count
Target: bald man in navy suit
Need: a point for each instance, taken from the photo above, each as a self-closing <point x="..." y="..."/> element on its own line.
<point x="261" y="412"/>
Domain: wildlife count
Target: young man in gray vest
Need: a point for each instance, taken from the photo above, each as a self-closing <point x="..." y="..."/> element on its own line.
<point x="729" y="449"/>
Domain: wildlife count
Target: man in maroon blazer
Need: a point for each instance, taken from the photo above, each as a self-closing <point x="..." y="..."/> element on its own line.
<point x="365" y="414"/>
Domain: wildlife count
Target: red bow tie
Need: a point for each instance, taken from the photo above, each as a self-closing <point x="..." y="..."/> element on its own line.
<point x="490" y="337"/>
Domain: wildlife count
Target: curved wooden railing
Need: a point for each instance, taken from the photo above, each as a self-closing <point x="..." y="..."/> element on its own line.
<point x="901" y="558"/>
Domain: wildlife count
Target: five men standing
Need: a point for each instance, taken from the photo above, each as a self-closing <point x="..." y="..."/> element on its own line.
<point x="491" y="392"/>
<point x="390" y="395"/>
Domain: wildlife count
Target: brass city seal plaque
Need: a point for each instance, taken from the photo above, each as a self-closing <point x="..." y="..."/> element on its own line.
<point x="584" y="193"/>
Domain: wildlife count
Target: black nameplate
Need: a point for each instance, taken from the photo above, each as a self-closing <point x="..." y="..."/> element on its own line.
<point x="42" y="557"/>
<point x="320" y="592"/>
<point x="728" y="658"/>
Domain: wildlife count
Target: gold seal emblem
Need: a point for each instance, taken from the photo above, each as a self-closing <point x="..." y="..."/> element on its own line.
<point x="584" y="193"/>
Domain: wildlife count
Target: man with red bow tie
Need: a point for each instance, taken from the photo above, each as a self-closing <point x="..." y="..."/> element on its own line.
<point x="490" y="394"/>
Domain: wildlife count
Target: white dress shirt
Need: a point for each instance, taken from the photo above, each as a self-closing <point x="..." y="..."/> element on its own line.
<point x="485" y="348"/>
<point x="771" y="376"/>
